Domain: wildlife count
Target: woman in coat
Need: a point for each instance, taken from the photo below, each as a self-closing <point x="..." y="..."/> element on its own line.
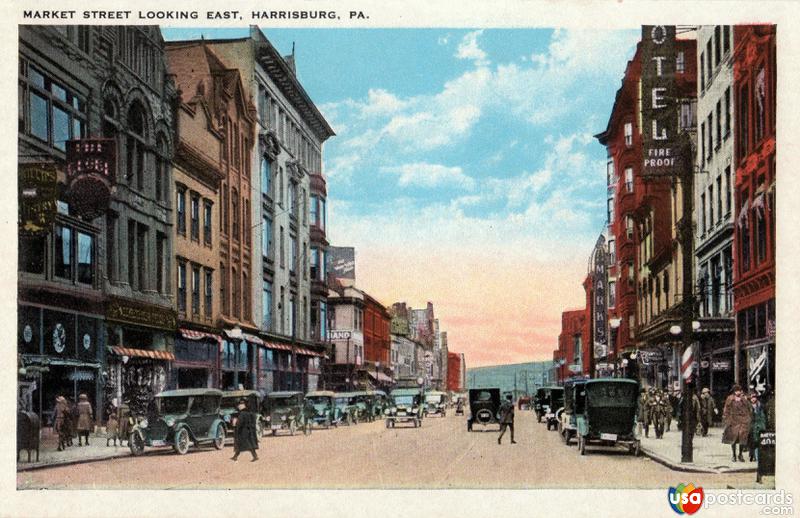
<point x="62" y="422"/>
<point x="85" y="416"/>
<point x="245" y="434"/>
<point x="737" y="416"/>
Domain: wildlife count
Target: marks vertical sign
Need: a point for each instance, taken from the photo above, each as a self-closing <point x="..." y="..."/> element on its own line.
<point x="599" y="308"/>
<point x="659" y="102"/>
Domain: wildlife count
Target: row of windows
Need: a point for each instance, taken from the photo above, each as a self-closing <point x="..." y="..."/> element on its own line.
<point x="756" y="227"/>
<point x="715" y="285"/>
<point x="195" y="202"/>
<point x="752" y="113"/>
<point x="197" y="273"/>
<point x="713" y="210"/>
<point x="235" y="303"/>
<point x="289" y="133"/>
<point x="67" y="254"/>
<point x="717" y="47"/>
<point x="708" y="143"/>
<point x="235" y="215"/>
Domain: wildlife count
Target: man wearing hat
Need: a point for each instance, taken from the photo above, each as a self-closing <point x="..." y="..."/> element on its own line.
<point x="85" y="417"/>
<point x="708" y="409"/>
<point x="245" y="435"/>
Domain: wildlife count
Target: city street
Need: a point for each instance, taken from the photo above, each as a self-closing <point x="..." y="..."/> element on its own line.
<point x="441" y="454"/>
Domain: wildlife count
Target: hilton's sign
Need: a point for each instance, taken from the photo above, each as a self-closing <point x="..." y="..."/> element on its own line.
<point x="659" y="102"/>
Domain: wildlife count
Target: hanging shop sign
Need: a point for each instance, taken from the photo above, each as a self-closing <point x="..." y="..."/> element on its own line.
<point x="38" y="193"/>
<point x="91" y="166"/>
<point x="721" y="365"/>
<point x="651" y="356"/>
<point x="600" y="309"/>
<point x="757" y="365"/>
<point x="132" y="313"/>
<point x="660" y="151"/>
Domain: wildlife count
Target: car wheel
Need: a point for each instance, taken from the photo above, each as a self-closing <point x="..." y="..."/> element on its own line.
<point x="182" y="441"/>
<point x="136" y="444"/>
<point x="219" y="439"/>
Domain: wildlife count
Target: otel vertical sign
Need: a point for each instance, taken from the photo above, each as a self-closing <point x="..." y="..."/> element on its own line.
<point x="599" y="309"/>
<point x="659" y="103"/>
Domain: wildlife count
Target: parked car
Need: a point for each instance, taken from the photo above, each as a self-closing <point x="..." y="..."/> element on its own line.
<point x="229" y="408"/>
<point x="540" y="402"/>
<point x="180" y="418"/>
<point x="346" y="409"/>
<point x="609" y="414"/>
<point x="484" y="407"/>
<point x="325" y="412"/>
<point x="435" y="404"/>
<point x="361" y="401"/>
<point x="555" y="405"/>
<point x="286" y="411"/>
<point x="377" y="402"/>
<point x="405" y="406"/>
<point x="574" y="400"/>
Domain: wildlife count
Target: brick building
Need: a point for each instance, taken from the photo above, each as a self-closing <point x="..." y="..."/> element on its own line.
<point x="754" y="85"/>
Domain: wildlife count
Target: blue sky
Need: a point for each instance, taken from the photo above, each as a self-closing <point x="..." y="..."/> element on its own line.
<point x="464" y="170"/>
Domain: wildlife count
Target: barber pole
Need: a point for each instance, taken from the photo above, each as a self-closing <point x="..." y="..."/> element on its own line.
<point x="687" y="364"/>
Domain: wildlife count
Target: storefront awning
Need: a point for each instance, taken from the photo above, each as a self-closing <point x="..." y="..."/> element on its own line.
<point x="277" y="346"/>
<point x="253" y="339"/>
<point x="191" y="334"/>
<point x="381" y="377"/>
<point x="142" y="353"/>
<point x="309" y="352"/>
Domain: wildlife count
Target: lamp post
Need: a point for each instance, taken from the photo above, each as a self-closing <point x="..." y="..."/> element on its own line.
<point x="377" y="366"/>
<point x="614" y="323"/>
<point x="686" y="329"/>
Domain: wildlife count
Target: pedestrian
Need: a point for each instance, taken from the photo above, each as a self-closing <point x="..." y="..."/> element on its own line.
<point x="708" y="409"/>
<point x="506" y="417"/>
<point x="642" y="412"/>
<point x="126" y="422"/>
<point x="62" y="422"/>
<point x="757" y="425"/>
<point x="85" y="416"/>
<point x="737" y="414"/>
<point x="661" y="412"/>
<point x="245" y="435"/>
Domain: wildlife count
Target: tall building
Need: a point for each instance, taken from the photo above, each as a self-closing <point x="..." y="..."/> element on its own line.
<point x="713" y="209"/>
<point x="284" y="201"/>
<point x="754" y="89"/>
<point x="96" y="110"/>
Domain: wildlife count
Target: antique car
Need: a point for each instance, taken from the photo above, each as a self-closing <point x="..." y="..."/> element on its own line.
<point x="484" y="407"/>
<point x="346" y="409"/>
<point x="361" y="401"/>
<point x="378" y="401"/>
<point x="609" y="414"/>
<point x="574" y="397"/>
<point x="179" y="418"/>
<point x="405" y="406"/>
<point x="435" y="404"/>
<point x="555" y="404"/>
<point x="540" y="401"/>
<point x="286" y="411"/>
<point x="229" y="408"/>
<point x="324" y="410"/>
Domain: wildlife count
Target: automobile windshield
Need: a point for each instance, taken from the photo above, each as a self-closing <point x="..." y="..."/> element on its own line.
<point x="434" y="398"/>
<point x="318" y="401"/>
<point x="279" y="402"/>
<point x="229" y="402"/>
<point x="171" y="405"/>
<point x="612" y="394"/>
<point x="342" y="401"/>
<point x="404" y="400"/>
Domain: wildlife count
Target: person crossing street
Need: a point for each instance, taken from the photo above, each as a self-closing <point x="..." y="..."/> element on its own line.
<point x="506" y="416"/>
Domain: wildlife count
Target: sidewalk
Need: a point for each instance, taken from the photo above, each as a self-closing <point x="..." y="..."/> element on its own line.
<point x="710" y="455"/>
<point x="50" y="456"/>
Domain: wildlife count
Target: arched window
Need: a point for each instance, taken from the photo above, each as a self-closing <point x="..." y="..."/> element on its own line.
<point x="135" y="146"/>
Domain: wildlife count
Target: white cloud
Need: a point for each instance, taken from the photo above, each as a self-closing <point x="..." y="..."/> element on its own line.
<point x="423" y="174"/>
<point x="469" y="49"/>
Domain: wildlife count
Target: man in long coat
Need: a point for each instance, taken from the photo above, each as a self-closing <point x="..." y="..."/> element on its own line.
<point x="245" y="433"/>
<point x="737" y="415"/>
<point x="85" y="416"/>
<point x="506" y="416"/>
<point x="708" y="409"/>
<point x="643" y="412"/>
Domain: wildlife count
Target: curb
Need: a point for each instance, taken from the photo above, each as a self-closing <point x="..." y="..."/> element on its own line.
<point x="690" y="468"/>
<point x="34" y="467"/>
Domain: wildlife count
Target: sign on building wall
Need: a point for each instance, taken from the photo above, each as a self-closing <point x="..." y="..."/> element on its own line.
<point x="659" y="102"/>
<point x="342" y="262"/>
<point x="38" y="192"/>
<point x="599" y="299"/>
<point x="91" y="165"/>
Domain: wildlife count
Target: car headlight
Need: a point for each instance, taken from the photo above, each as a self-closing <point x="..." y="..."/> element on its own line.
<point x="386" y="412"/>
<point x="283" y="418"/>
<point x="226" y="418"/>
<point x="143" y="423"/>
<point x="170" y="422"/>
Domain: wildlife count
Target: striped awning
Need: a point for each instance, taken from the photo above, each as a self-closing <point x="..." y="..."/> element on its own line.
<point x="309" y="352"/>
<point x="191" y="334"/>
<point x="142" y="353"/>
<point x="253" y="339"/>
<point x="278" y="346"/>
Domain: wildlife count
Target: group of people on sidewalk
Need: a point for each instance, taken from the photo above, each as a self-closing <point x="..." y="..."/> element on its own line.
<point x="71" y="418"/>
<point x="743" y="417"/>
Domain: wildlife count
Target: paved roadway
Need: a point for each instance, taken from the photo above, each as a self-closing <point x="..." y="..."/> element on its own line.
<point x="441" y="454"/>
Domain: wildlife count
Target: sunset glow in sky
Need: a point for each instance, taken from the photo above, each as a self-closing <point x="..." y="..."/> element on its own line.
<point x="464" y="170"/>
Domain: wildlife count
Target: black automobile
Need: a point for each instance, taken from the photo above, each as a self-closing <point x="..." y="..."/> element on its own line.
<point x="180" y="418"/>
<point x="555" y="405"/>
<point x="484" y="407"/>
<point x="287" y="411"/>
<point x="229" y="407"/>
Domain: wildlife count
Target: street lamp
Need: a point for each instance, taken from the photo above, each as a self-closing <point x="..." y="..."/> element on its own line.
<point x="377" y="366"/>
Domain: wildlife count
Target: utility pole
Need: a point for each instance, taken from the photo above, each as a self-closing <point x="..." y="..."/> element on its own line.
<point x="686" y="236"/>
